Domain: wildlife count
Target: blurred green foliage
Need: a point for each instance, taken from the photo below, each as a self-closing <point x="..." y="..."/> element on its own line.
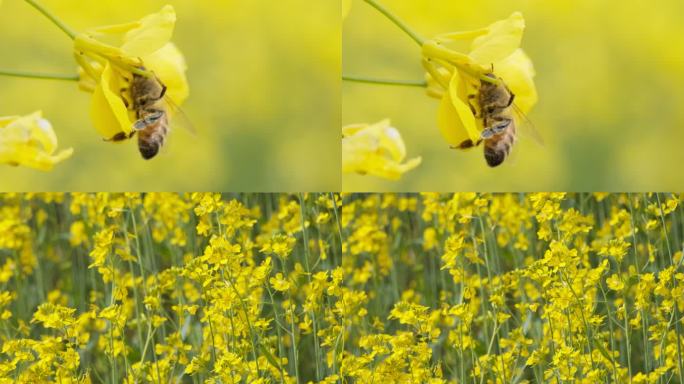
<point x="610" y="78"/>
<point x="264" y="97"/>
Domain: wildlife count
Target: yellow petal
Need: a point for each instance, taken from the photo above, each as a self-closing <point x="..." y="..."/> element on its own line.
<point x="107" y="108"/>
<point x="42" y="131"/>
<point x="518" y="73"/>
<point x="503" y="38"/>
<point x="351" y="129"/>
<point x="125" y="43"/>
<point x="7" y="120"/>
<point x="153" y="32"/>
<point x="455" y="118"/>
<point x="168" y="64"/>
<point x="450" y="125"/>
<point x="389" y="139"/>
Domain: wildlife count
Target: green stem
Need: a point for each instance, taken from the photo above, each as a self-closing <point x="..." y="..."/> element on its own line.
<point x="372" y="80"/>
<point x="37" y="75"/>
<point x="52" y="18"/>
<point x="399" y="23"/>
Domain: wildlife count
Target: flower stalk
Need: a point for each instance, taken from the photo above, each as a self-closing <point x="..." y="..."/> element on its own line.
<point x="397" y="21"/>
<point x="38" y="75"/>
<point x="377" y="81"/>
<point x="55" y="20"/>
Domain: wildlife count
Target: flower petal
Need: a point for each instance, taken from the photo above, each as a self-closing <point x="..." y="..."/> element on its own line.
<point x="168" y="64"/>
<point x="108" y="111"/>
<point x="518" y="73"/>
<point x="389" y="139"/>
<point x="42" y="131"/>
<point x="153" y="32"/>
<point x="503" y="38"/>
<point x="449" y="123"/>
<point x="455" y="118"/>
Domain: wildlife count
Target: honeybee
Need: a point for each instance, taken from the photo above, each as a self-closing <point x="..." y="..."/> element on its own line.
<point x="152" y="125"/>
<point x="498" y="114"/>
<point x="151" y="109"/>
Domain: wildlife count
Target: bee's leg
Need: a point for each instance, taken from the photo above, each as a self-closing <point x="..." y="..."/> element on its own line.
<point x="499" y="107"/>
<point x="466" y="144"/>
<point x="470" y="104"/>
<point x="123" y="97"/>
<point x="121" y="136"/>
<point x="510" y="100"/>
<point x="495" y="108"/>
<point x="163" y="92"/>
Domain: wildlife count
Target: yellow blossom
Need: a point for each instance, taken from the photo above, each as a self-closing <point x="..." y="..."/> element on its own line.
<point x="375" y="149"/>
<point x="280" y="245"/>
<point x="279" y="283"/>
<point x="109" y="58"/>
<point x="29" y="141"/>
<point x="54" y="316"/>
<point x="458" y="62"/>
<point x="615" y="283"/>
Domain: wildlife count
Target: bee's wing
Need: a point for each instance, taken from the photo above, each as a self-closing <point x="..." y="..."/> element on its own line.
<point x="525" y="126"/>
<point x="178" y="118"/>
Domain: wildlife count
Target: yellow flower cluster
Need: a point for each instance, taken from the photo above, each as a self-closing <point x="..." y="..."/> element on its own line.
<point x="515" y="288"/>
<point x="163" y="287"/>
<point x="409" y="288"/>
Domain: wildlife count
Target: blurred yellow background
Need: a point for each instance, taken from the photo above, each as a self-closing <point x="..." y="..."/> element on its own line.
<point x="264" y="97"/>
<point x="610" y="78"/>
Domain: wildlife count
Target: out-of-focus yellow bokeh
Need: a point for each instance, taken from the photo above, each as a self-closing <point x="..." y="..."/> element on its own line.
<point x="610" y="78"/>
<point x="264" y="97"/>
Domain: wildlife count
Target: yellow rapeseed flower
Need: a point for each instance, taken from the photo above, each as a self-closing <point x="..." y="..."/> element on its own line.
<point x="454" y="76"/>
<point x="615" y="283"/>
<point x="54" y="316"/>
<point x="110" y="56"/>
<point x="375" y="149"/>
<point x="29" y="141"/>
<point x="279" y="282"/>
